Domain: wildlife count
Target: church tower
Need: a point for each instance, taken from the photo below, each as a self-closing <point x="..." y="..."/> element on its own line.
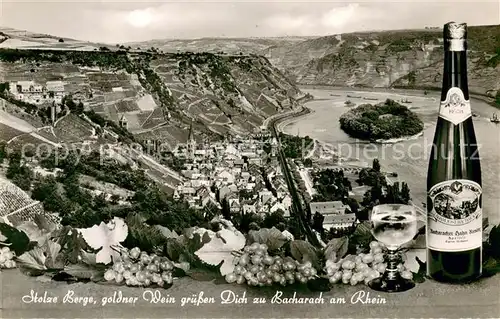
<point x="191" y="142"/>
<point x="123" y="122"/>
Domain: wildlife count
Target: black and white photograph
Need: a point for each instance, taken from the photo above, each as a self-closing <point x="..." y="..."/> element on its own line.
<point x="249" y="159"/>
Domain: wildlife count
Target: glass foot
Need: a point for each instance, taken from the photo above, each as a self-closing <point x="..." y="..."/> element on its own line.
<point x="396" y="285"/>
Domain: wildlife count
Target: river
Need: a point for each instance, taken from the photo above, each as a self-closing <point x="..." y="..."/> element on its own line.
<point x="408" y="158"/>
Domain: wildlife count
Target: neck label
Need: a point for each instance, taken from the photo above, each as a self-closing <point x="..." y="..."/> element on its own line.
<point x="455" y="108"/>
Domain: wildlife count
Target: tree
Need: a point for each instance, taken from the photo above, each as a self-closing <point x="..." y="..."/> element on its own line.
<point x="376" y="165"/>
<point x="308" y="162"/>
<point x="226" y="211"/>
<point x="3" y="151"/>
<point x="274" y="219"/>
<point x="317" y="224"/>
<point x="405" y="193"/>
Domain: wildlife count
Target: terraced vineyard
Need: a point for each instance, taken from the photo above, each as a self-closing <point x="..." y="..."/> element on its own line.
<point x="223" y="94"/>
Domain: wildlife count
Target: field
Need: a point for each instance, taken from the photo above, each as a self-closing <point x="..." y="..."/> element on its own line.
<point x="7" y="132"/>
<point x="72" y="129"/>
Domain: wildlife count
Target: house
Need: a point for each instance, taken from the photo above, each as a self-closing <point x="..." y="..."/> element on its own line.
<point x="328" y="208"/>
<point x="224" y="192"/>
<point x="234" y="205"/>
<point x="265" y="196"/>
<point x="339" y="221"/>
<point x="226" y="176"/>
<point x="249" y="209"/>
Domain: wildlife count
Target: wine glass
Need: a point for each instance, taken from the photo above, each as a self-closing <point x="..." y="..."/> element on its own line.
<point x="393" y="225"/>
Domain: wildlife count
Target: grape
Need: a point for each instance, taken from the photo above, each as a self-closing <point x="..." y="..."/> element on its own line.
<point x="261" y="276"/>
<point x="230" y="278"/>
<point x="298" y="276"/>
<point x="277" y="277"/>
<point x="374" y="244"/>
<point x="8" y="255"/>
<point x="119" y="267"/>
<point x="167" y="277"/>
<point x="353" y="281"/>
<point x="401" y="268"/>
<point x="10" y="264"/>
<point x="278" y="260"/>
<point x="247" y="249"/>
<point x="166" y="265"/>
<point x="141" y="276"/>
<point x="378" y="258"/>
<point x="2" y="259"/>
<point x="275" y="267"/>
<point x="118" y="278"/>
<point x="314" y="272"/>
<point x="358" y="259"/>
<point x="134" y="268"/>
<point x="377" y="250"/>
<point x="348" y="265"/>
<point x="407" y="275"/>
<point x="283" y="282"/>
<point x="152" y="268"/>
<point x="5" y="249"/>
<point x="267" y="260"/>
<point x="146" y="282"/>
<point x="135" y="252"/>
<point x="291" y="281"/>
<point x="240" y="280"/>
<point x="244" y="259"/>
<point x="307" y="272"/>
<point x="145" y="259"/>
<point x="367" y="259"/>
<point x="156" y="278"/>
<point x="127" y="274"/>
<point x="238" y="269"/>
<point x="336" y="277"/>
<point x="254" y="269"/>
<point x="380" y="268"/>
<point x="269" y="282"/>
<point x="109" y="275"/>
<point x="248" y="275"/>
<point x="269" y="273"/>
<point x="254" y="246"/>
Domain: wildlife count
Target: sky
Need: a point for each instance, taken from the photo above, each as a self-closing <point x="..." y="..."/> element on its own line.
<point x="113" y="21"/>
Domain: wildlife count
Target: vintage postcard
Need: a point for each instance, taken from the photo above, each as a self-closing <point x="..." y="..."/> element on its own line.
<point x="249" y="159"/>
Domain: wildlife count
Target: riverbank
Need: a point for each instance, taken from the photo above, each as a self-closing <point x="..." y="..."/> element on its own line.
<point x="437" y="91"/>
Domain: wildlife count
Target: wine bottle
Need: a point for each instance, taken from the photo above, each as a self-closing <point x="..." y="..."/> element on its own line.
<point x="454" y="199"/>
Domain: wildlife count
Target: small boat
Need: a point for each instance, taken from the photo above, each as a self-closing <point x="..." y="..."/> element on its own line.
<point x="474" y="114"/>
<point x="495" y="119"/>
<point x="370" y="98"/>
<point x="405" y="101"/>
<point x="352" y="96"/>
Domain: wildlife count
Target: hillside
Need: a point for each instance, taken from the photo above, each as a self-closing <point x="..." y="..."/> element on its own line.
<point x="160" y="94"/>
<point x="401" y="58"/>
<point x="405" y="58"/>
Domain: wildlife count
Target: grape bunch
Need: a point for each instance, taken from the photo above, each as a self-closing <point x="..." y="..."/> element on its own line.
<point x="362" y="267"/>
<point x="138" y="268"/>
<point x="257" y="268"/>
<point x="7" y="258"/>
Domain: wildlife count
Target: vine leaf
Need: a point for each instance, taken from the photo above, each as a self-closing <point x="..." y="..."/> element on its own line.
<point x="272" y="237"/>
<point x="18" y="241"/>
<point x="105" y="236"/>
<point x="304" y="251"/>
<point x="336" y="248"/>
<point x="218" y="250"/>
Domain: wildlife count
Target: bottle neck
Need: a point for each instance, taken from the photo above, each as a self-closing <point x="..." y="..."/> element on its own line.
<point x="455" y="71"/>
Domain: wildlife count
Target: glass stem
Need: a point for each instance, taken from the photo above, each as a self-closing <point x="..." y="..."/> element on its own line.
<point x="393" y="260"/>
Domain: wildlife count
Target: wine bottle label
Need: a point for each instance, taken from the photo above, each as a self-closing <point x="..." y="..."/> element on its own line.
<point x="455" y="108"/>
<point x="454" y="221"/>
